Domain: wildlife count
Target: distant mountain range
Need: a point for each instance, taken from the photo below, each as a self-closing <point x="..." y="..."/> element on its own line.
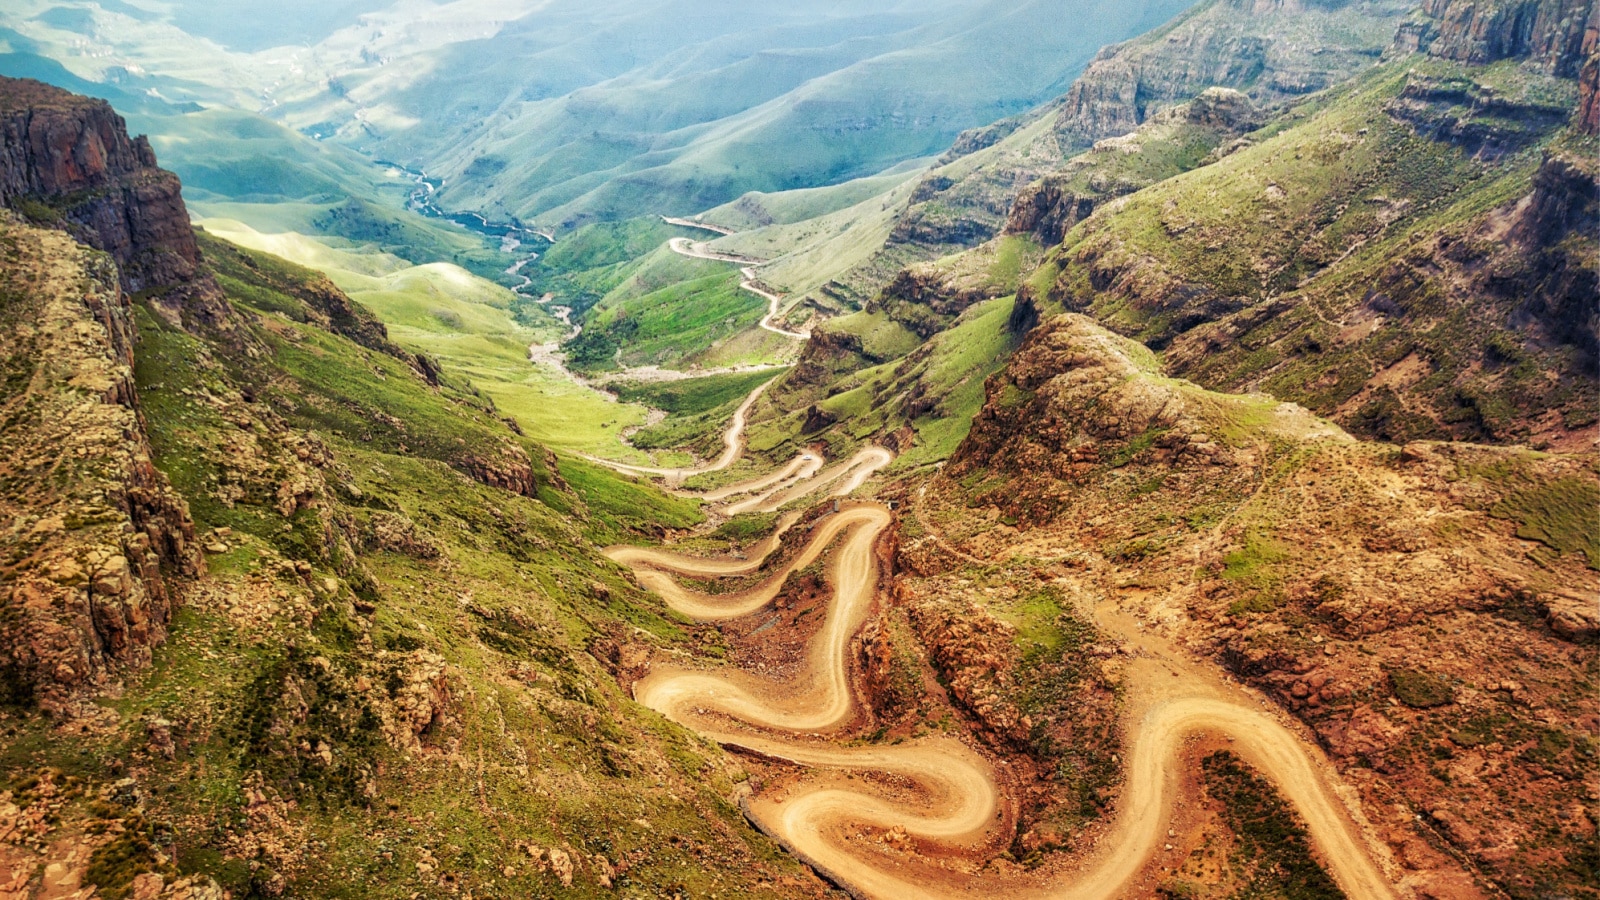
<point x="611" y="109"/>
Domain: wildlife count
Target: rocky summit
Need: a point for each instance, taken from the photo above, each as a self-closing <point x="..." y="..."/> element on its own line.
<point x="508" y="449"/>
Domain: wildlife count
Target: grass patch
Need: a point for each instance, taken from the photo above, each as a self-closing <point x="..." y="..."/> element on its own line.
<point x="1563" y="514"/>
<point x="694" y="395"/>
<point x="619" y="506"/>
<point x="745" y="528"/>
<point x="1254" y="567"/>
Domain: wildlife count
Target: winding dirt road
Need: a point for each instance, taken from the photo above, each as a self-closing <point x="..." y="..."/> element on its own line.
<point x="703" y="226"/>
<point x="804" y="475"/>
<point x="946" y="796"/>
<point x="854" y="472"/>
<point x="949" y="794"/>
<point x="732" y="447"/>
<point x="749" y="281"/>
<point x="821" y="698"/>
<point x="809" y="820"/>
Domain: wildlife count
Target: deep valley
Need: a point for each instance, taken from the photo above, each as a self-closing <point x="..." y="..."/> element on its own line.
<point x="492" y="448"/>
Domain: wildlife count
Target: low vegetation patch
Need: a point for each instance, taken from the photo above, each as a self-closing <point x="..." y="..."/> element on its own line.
<point x="1420" y="690"/>
<point x="1563" y="514"/>
<point x="1275" y="851"/>
<point x="694" y="395"/>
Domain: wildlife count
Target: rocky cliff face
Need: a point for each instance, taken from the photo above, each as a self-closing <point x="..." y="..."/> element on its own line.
<point x="67" y="161"/>
<point x="1552" y="34"/>
<point x="1587" y="117"/>
<point x="1548" y="267"/>
<point x="97" y="531"/>
<point x="1474" y="117"/>
<point x="1274" y="50"/>
<point x="93" y="530"/>
<point x="926" y="301"/>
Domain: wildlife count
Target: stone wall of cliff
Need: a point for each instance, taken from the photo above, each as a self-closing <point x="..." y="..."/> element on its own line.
<point x="1049" y="207"/>
<point x="1587" y="117"/>
<point x="92" y="530"/>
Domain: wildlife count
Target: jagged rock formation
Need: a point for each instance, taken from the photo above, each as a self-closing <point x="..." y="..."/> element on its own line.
<point x="68" y="162"/>
<point x="1075" y="396"/>
<point x="1587" y="117"/>
<point x="926" y="300"/>
<point x="93" y="530"/>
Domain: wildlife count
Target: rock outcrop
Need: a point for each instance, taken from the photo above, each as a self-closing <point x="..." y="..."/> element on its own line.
<point x="925" y="301"/>
<point x="93" y="529"/>
<point x="1549" y="33"/>
<point x="67" y="161"/>
<point x="1587" y="118"/>
<point x="1448" y="667"/>
<point x="1075" y="398"/>
<point x="1166" y="145"/>
<point x="1548" y="268"/>
<point x="1474" y="117"/>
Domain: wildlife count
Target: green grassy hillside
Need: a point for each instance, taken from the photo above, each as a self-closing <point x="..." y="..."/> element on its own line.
<point x="472" y="327"/>
<point x="676" y="312"/>
<point x="840" y="258"/>
<point x="613" y="109"/>
<point x="784" y="119"/>
<point x="393" y="675"/>
<point x="242" y="166"/>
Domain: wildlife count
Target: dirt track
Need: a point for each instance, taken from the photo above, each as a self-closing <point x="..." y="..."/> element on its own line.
<point x="804" y="475"/>
<point x="955" y="800"/>
<point x="732" y="447"/>
<point x="858" y="468"/>
<point x="822" y="698"/>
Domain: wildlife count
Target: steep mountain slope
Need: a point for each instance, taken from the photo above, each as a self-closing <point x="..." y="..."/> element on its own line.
<point x="841" y="104"/>
<point x="1417" y="242"/>
<point x="390" y="668"/>
<point x="921" y="349"/>
<point x="1377" y="249"/>
<point x="243" y="166"/>
<point x="1231" y="416"/>
<point x="1427" y="611"/>
<point x="836" y="262"/>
